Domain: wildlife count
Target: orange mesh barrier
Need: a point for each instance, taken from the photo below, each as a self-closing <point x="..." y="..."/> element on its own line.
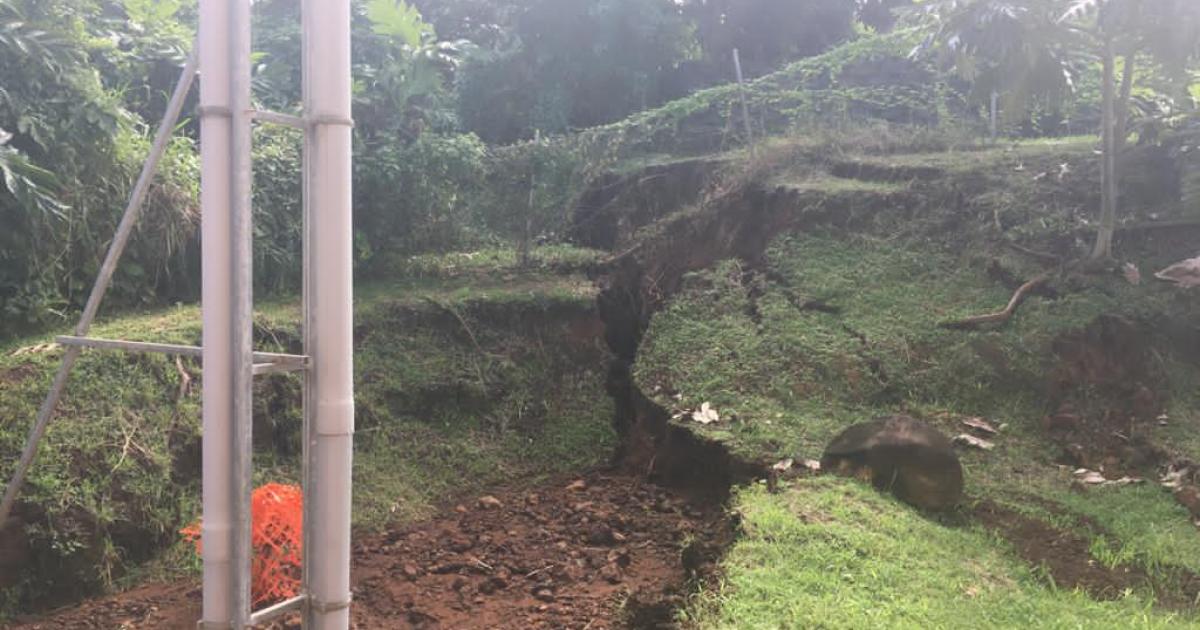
<point x="276" y="516"/>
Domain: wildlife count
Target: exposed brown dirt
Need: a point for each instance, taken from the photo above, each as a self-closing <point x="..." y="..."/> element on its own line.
<point x="16" y="374"/>
<point x="1103" y="392"/>
<point x="1066" y="556"/>
<point x="605" y="550"/>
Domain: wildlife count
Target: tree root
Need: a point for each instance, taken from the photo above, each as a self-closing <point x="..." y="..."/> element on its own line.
<point x="1000" y="316"/>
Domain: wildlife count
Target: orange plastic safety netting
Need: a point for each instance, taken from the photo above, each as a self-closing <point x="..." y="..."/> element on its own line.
<point x="276" y="516"/>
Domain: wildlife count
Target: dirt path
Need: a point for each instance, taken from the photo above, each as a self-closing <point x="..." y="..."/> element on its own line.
<point x="599" y="551"/>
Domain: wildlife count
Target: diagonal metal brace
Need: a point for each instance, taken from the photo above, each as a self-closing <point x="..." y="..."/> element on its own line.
<point x="124" y="230"/>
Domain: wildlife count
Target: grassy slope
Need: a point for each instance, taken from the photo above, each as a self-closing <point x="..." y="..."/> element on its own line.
<point x="787" y="378"/>
<point x="439" y="414"/>
<point x="830" y="553"/>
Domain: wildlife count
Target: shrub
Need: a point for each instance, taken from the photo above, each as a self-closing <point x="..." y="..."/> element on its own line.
<point x="419" y="196"/>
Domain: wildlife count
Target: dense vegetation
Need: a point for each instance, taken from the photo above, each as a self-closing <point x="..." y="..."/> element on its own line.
<point x="85" y="81"/>
<point x="900" y="163"/>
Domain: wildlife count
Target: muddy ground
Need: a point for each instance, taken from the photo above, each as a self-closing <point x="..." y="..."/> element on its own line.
<point x="603" y="550"/>
<point x="1065" y="556"/>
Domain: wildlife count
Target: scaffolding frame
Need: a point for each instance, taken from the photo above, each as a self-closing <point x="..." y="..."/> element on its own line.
<point x="226" y="113"/>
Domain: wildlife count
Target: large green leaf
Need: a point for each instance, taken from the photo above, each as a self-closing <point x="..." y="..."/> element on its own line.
<point x="151" y="11"/>
<point x="398" y="19"/>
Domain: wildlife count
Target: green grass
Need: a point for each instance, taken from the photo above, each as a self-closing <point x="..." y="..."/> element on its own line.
<point x="470" y="371"/>
<point x="835" y="185"/>
<point x="832" y="553"/>
<point x="1140" y="525"/>
<point x="1001" y="161"/>
<point x="495" y="261"/>
<point x="793" y="375"/>
<point x="786" y="379"/>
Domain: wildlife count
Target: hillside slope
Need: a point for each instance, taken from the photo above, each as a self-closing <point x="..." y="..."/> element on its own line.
<point x="810" y="287"/>
<point x="470" y="371"/>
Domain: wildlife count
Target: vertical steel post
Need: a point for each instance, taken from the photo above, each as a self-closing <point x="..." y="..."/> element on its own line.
<point x="241" y="289"/>
<point x="328" y="310"/>
<point x="737" y="69"/>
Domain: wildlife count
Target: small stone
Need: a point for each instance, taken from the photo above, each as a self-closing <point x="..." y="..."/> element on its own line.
<point x="601" y="535"/>
<point x="619" y="557"/>
<point x="460" y="508"/>
<point x="544" y="594"/>
<point x="611" y="573"/>
<point x="490" y="502"/>
<point x="411" y="571"/>
<point x="578" y="485"/>
<point x="574" y="572"/>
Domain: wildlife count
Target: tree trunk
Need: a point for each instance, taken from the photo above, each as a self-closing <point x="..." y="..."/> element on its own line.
<point x="993" y="115"/>
<point x="1123" y="111"/>
<point x="1108" y="192"/>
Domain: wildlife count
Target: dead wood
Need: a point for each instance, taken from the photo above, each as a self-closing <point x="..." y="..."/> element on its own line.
<point x="1003" y="315"/>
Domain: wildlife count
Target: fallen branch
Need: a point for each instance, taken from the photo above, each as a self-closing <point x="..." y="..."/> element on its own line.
<point x="1159" y="225"/>
<point x="1004" y="315"/>
<point x="1044" y="256"/>
<point x="479" y="365"/>
<point x="185" y="380"/>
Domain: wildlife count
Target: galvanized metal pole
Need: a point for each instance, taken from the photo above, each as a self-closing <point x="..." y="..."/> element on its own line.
<point x="328" y="311"/>
<point x="241" y="289"/>
<point x="133" y="211"/>
<point x="737" y="68"/>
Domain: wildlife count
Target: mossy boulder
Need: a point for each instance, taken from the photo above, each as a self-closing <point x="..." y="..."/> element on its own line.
<point x="907" y="457"/>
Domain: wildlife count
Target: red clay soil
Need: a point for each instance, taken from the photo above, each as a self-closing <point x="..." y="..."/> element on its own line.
<point x="601" y="551"/>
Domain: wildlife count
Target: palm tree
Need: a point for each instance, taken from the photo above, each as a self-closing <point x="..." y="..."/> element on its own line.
<point x="1011" y="51"/>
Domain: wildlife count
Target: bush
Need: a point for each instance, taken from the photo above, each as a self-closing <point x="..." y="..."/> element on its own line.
<point x="532" y="188"/>
<point x="418" y="197"/>
<point x="278" y="209"/>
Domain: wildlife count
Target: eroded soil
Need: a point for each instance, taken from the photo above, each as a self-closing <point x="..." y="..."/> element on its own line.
<point x="1066" y="556"/>
<point x="605" y="550"/>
